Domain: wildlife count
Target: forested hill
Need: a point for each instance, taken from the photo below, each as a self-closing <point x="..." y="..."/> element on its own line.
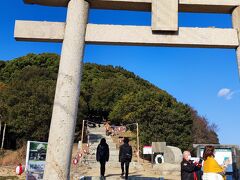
<point x="27" y="86"/>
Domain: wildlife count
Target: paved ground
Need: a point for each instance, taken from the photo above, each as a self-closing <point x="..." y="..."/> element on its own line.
<point x="130" y="178"/>
<point x="113" y="173"/>
<point x="8" y="173"/>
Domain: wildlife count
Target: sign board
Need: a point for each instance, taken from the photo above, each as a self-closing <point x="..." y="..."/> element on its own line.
<point x="147" y="150"/>
<point x="222" y="155"/>
<point x="158" y="147"/>
<point x="35" y="159"/>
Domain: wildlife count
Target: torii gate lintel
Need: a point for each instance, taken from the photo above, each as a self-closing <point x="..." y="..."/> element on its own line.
<point x="202" y="6"/>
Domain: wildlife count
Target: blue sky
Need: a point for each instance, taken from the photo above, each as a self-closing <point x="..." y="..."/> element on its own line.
<point x="206" y="79"/>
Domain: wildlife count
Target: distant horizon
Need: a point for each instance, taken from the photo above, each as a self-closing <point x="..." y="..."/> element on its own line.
<point x="205" y="78"/>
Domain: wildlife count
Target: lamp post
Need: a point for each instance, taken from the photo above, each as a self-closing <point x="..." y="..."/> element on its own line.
<point x="82" y="133"/>
<point x="138" y="142"/>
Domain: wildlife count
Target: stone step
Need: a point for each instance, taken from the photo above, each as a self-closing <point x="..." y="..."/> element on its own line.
<point x="97" y="141"/>
<point x="103" y="133"/>
<point x="111" y="153"/>
<point x="114" y="153"/>
<point x="95" y="136"/>
<point x="111" y="146"/>
<point x="119" y="178"/>
<point x="109" y="161"/>
<point x="95" y="145"/>
<point x="111" y="149"/>
<point x="112" y="164"/>
<point x="111" y="158"/>
<point x="92" y="161"/>
<point x="94" y="155"/>
<point x="98" y="132"/>
<point x="98" y="138"/>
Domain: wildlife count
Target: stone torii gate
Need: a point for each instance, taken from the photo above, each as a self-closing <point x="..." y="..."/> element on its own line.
<point x="76" y="32"/>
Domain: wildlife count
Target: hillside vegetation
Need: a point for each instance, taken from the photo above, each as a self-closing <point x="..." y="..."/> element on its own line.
<point x="27" y="86"/>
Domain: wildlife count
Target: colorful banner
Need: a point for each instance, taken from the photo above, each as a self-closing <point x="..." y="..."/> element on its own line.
<point x="147" y="150"/>
<point x="35" y="159"/>
<point x="222" y="155"/>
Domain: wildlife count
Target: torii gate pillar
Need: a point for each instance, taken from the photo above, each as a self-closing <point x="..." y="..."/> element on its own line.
<point x="66" y="100"/>
<point x="236" y="25"/>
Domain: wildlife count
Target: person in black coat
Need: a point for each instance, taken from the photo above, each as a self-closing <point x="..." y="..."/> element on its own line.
<point x="102" y="155"/>
<point x="188" y="168"/>
<point x="125" y="156"/>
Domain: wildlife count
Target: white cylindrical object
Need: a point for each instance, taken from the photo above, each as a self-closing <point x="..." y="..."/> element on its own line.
<point x="66" y="100"/>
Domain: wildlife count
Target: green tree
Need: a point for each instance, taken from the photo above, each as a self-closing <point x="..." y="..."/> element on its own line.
<point x="27" y="87"/>
<point x="159" y="116"/>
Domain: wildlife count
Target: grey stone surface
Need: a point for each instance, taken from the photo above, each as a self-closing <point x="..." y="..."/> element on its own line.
<point x="95" y="135"/>
<point x="238" y="60"/>
<point x="129" y="178"/>
<point x="172" y="155"/>
<point x="168" y="169"/>
<point x="133" y="35"/>
<point x="66" y="100"/>
<point x="165" y="15"/>
<point x="236" y="18"/>
<point x="172" y="159"/>
<point x="142" y="35"/>
<point x="39" y="31"/>
<point x="236" y="25"/>
<point x="217" y="6"/>
<point x="158" y="147"/>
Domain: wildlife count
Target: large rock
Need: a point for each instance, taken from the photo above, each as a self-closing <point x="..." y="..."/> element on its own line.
<point x="158" y="147"/>
<point x="172" y="155"/>
<point x="168" y="169"/>
<point x="172" y="159"/>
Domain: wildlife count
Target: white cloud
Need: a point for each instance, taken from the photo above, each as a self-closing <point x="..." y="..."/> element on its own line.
<point x="227" y="93"/>
<point x="224" y="92"/>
